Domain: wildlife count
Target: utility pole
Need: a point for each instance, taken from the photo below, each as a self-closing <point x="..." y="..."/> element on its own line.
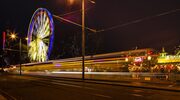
<point x="83" y="38"/>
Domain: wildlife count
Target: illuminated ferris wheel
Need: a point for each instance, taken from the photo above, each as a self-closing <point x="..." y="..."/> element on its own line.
<point x="40" y="35"/>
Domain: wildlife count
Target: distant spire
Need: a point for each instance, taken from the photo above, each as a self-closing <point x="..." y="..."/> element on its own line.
<point x="136" y="47"/>
<point x="163" y="50"/>
<point x="163" y="53"/>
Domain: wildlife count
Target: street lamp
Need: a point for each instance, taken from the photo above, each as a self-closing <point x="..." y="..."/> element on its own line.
<point x="149" y="59"/>
<point x="26" y="38"/>
<point x="83" y="35"/>
<point x="83" y="31"/>
<point x="14" y="36"/>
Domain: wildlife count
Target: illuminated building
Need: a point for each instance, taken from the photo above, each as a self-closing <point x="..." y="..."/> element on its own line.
<point x="164" y="58"/>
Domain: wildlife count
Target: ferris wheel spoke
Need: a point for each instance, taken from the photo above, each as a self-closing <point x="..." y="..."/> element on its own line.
<point x="41" y="19"/>
<point x="46" y="32"/>
<point x="44" y="17"/>
<point x="38" y="21"/>
<point x="42" y="50"/>
<point x="45" y="28"/>
<point x="41" y="31"/>
<point x="36" y="24"/>
<point x="45" y="24"/>
<point x="46" y="41"/>
<point x="36" y="27"/>
<point x="35" y="31"/>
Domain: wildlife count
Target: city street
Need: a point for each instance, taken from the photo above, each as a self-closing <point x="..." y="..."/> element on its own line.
<point x="34" y="88"/>
<point x="90" y="50"/>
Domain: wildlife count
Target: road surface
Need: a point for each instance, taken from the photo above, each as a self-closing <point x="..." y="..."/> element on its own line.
<point x="33" y="88"/>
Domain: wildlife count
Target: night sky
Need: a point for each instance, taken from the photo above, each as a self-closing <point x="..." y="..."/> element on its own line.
<point x="124" y="24"/>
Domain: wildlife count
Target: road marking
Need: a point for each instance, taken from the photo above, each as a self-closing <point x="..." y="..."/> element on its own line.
<point x="65" y="84"/>
<point x="73" y="85"/>
<point x="137" y="90"/>
<point x="104" y="96"/>
<point x="137" y="95"/>
<point x="170" y="85"/>
<point x="100" y="95"/>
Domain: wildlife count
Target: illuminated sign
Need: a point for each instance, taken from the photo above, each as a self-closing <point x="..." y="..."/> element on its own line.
<point x="138" y="59"/>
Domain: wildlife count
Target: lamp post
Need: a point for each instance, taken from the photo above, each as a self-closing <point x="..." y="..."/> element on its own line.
<point x="83" y="31"/>
<point x="14" y="36"/>
<point x="83" y="37"/>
